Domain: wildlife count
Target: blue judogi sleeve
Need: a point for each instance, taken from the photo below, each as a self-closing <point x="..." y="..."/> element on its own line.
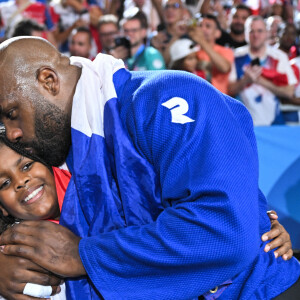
<point x="202" y="147"/>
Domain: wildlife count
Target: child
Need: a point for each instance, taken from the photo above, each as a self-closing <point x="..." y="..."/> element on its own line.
<point x="28" y="192"/>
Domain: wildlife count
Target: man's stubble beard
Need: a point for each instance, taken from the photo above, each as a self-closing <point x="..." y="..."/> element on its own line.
<point x="52" y="131"/>
<point x="237" y="30"/>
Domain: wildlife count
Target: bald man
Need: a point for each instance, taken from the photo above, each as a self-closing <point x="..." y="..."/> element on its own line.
<point x="163" y="202"/>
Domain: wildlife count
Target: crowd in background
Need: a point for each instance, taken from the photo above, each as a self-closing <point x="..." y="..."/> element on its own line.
<point x="248" y="49"/>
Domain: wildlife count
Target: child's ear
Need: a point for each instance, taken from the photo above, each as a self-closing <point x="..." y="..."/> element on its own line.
<point x="4" y="211"/>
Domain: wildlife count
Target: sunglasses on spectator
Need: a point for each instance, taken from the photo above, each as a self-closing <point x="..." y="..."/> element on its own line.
<point x="174" y="5"/>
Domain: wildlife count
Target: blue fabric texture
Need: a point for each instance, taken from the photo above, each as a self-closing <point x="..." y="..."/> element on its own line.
<point x="170" y="210"/>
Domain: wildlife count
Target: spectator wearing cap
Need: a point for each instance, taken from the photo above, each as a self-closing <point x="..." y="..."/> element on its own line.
<point x="183" y="54"/>
<point x="215" y="59"/>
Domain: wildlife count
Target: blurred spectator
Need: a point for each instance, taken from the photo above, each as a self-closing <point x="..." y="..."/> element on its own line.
<point x="183" y="54"/>
<point x="283" y="9"/>
<point x="217" y="8"/>
<point x="262" y="75"/>
<point x="216" y="59"/>
<point x="171" y="29"/>
<point x="287" y="39"/>
<point x="81" y="42"/>
<point x="142" y="57"/>
<point x="14" y="11"/>
<point x="151" y="8"/>
<point x="236" y="36"/>
<point x="108" y="30"/>
<point x="71" y="14"/>
<point x="273" y="24"/>
<point x="29" y="27"/>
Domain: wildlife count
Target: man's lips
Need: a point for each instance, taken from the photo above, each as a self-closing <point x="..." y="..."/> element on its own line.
<point x="33" y="194"/>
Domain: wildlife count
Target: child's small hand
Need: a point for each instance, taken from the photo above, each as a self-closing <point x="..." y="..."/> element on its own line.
<point x="280" y="238"/>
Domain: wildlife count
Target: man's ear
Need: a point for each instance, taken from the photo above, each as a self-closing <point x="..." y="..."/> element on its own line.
<point x="49" y="80"/>
<point x="4" y="211"/>
<point x="218" y="34"/>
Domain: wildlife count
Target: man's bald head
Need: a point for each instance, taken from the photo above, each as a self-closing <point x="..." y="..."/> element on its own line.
<point x="25" y="54"/>
<point x="37" y="85"/>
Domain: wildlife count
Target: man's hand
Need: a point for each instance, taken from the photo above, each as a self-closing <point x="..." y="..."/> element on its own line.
<point x="280" y="238"/>
<point x="49" y="245"/>
<point x="16" y="272"/>
<point x="252" y="73"/>
<point x="120" y="52"/>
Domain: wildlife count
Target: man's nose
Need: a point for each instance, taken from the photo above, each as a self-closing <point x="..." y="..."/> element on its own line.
<point x="14" y="134"/>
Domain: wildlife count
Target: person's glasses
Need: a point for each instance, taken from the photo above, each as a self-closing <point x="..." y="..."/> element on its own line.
<point x="133" y="30"/>
<point x="110" y="33"/>
<point x="174" y="5"/>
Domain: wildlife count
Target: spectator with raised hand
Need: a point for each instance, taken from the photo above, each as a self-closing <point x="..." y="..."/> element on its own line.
<point x="261" y="75"/>
<point x="71" y="14"/>
<point x="235" y="37"/>
<point x="216" y="59"/>
<point x="171" y="29"/>
<point x="14" y="11"/>
<point x="149" y="8"/>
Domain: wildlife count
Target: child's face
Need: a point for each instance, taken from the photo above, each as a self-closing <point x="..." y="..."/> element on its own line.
<point x="190" y="62"/>
<point x="27" y="188"/>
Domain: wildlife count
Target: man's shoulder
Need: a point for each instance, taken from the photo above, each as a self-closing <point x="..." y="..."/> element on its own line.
<point x="276" y="53"/>
<point x="241" y="51"/>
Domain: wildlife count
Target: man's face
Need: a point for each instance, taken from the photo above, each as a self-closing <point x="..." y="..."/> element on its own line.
<point x="35" y="123"/>
<point x="288" y="37"/>
<point x="257" y="35"/>
<point x="107" y="34"/>
<point x="209" y="29"/>
<point x="239" y="18"/>
<point x="173" y="11"/>
<point x="133" y="30"/>
<point x="80" y="45"/>
<point x="139" y="3"/>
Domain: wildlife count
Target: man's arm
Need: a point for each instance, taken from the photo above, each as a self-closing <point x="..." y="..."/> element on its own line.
<point x="286" y="91"/>
<point x="218" y="61"/>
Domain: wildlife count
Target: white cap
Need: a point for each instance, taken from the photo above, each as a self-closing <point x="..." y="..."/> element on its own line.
<point x="182" y="48"/>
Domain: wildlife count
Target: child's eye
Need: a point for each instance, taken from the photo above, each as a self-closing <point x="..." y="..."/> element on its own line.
<point x="27" y="166"/>
<point x="4" y="184"/>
